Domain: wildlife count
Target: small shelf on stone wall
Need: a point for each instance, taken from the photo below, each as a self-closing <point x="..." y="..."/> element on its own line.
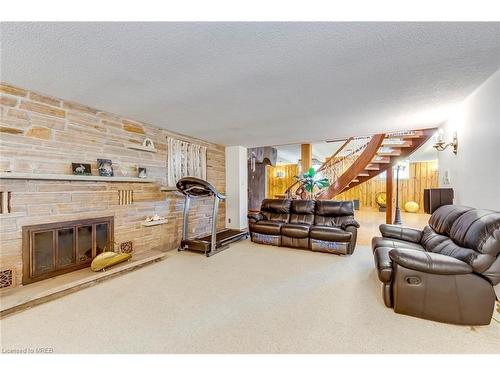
<point x="154" y="222"/>
<point x="70" y="177"/>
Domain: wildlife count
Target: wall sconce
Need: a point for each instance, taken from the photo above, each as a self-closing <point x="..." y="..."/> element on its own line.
<point x="280" y="174"/>
<point x="441" y="145"/>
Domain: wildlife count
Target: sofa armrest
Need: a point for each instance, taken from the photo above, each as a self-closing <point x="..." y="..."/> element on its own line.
<point x="429" y="262"/>
<point x="349" y="222"/>
<point x="255" y="217"/>
<point x="401" y="233"/>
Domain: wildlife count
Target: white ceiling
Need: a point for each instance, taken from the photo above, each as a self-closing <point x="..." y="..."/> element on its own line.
<point x="257" y="84"/>
<point x="290" y="154"/>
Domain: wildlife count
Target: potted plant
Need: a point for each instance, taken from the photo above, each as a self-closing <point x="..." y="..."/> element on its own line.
<point x="310" y="180"/>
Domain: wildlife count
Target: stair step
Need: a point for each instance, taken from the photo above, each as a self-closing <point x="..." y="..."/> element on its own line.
<point x="406" y="135"/>
<point x="363" y="174"/>
<point x="355" y="180"/>
<point x="381" y="159"/>
<point x="387" y="152"/>
<point x="372" y="167"/>
<point x="395" y="142"/>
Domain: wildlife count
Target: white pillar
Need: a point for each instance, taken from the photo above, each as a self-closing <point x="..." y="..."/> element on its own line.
<point x="236" y="187"/>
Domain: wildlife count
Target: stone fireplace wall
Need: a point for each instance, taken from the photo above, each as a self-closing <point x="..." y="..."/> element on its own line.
<point x="44" y="134"/>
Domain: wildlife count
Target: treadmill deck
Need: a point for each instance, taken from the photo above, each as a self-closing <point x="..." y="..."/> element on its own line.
<point x="223" y="237"/>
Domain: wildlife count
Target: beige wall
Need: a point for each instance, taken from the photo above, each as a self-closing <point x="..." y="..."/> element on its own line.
<point x="42" y="134"/>
<point x="474" y="173"/>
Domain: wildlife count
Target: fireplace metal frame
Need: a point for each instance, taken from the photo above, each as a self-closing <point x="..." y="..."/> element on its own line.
<point x="28" y="233"/>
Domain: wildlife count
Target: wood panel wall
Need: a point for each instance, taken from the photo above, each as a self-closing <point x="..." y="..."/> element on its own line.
<point x="278" y="185"/>
<point x="422" y="175"/>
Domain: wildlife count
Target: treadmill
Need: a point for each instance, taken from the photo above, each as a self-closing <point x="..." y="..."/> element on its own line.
<point x="216" y="241"/>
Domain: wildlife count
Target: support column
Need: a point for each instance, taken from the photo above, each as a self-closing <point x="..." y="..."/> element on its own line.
<point x="305" y="157"/>
<point x="236" y="187"/>
<point x="388" y="192"/>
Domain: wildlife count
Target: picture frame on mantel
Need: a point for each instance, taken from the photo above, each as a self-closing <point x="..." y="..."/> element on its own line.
<point x="142" y="172"/>
<point x="105" y="167"/>
<point x="81" y="169"/>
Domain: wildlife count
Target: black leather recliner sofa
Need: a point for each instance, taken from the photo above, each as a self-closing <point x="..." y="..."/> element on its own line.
<point x="326" y="226"/>
<point x="444" y="272"/>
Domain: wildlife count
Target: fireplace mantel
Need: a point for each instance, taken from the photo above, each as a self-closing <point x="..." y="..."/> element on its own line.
<point x="70" y="177"/>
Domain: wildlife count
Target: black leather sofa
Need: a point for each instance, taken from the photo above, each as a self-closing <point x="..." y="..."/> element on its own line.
<point x="326" y="226"/>
<point x="444" y="272"/>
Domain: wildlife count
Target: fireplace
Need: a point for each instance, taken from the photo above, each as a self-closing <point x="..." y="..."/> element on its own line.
<point x="53" y="249"/>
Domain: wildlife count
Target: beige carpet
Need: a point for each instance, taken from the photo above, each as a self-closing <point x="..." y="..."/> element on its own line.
<point x="247" y="299"/>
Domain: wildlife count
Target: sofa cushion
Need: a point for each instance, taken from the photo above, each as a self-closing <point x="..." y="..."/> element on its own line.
<point x="295" y="230"/>
<point x="333" y="213"/>
<point x="334" y="208"/>
<point x="383" y="263"/>
<point x="394" y="244"/>
<point x="332" y="234"/>
<point x="276" y="210"/>
<point x="443" y="218"/>
<point x="479" y="231"/>
<point x="302" y="211"/>
<point x="451" y="249"/>
<point x="267" y="227"/>
<point x="430" y="239"/>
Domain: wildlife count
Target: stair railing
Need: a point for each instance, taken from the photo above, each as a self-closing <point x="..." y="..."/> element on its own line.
<point x="334" y="166"/>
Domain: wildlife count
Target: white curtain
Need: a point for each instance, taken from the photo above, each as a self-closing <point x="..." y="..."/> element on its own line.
<point x="185" y="159"/>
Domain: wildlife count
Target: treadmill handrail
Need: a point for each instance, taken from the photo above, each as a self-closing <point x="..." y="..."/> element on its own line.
<point x="188" y="186"/>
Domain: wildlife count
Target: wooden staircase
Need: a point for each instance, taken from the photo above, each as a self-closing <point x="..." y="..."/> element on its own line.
<point x="379" y="153"/>
<point x="393" y="149"/>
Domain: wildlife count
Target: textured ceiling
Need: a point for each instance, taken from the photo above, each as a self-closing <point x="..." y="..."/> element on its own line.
<point x="257" y="83"/>
<point x="320" y="150"/>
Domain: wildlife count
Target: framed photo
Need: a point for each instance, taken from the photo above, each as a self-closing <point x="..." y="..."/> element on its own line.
<point x="105" y="167"/>
<point x="142" y="172"/>
<point x="81" y="169"/>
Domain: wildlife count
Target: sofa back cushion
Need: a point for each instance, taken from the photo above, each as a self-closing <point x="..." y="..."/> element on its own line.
<point x="450" y="248"/>
<point x="276" y="210"/>
<point x="302" y="211"/>
<point x="479" y="231"/>
<point x="430" y="239"/>
<point x="333" y="213"/>
<point x="443" y="218"/>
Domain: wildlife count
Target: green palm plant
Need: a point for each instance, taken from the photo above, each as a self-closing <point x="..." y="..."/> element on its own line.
<point x="310" y="180"/>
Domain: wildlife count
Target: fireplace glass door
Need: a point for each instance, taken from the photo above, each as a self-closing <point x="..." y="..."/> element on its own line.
<point x="53" y="249"/>
<point x="43" y="261"/>
<point x="65" y="247"/>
